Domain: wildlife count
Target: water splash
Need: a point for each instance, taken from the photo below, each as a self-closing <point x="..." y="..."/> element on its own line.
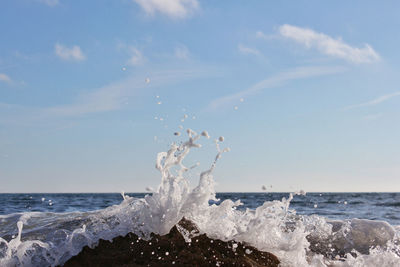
<point x="52" y="238"/>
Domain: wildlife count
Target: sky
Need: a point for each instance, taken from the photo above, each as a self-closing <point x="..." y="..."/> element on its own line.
<point x="305" y="93"/>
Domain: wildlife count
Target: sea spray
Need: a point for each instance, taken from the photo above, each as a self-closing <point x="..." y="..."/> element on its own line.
<point x="45" y="238"/>
<point x="156" y="213"/>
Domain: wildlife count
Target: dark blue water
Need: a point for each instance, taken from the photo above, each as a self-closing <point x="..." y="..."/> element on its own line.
<point x="373" y="206"/>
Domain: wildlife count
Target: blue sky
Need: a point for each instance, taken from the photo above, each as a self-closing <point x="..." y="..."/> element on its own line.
<point x="305" y="93"/>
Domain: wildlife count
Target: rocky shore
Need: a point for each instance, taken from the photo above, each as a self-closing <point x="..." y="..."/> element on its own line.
<point x="172" y="250"/>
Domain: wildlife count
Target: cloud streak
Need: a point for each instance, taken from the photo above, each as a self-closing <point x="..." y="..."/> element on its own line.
<point x="328" y="45"/>
<point x="261" y="35"/>
<point x="375" y="101"/>
<point x="69" y="54"/>
<point x="111" y="97"/>
<point x="272" y="82"/>
<point x="49" y="2"/>
<point x="115" y="95"/>
<point x="248" y="51"/>
<point x="182" y="52"/>
<point x="5" y="78"/>
<point x="136" y="57"/>
<point x="172" y="8"/>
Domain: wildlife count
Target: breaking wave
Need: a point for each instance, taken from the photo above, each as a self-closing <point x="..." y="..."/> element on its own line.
<point x="50" y="239"/>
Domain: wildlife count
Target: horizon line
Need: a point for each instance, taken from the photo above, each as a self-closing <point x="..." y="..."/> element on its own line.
<point x="221" y="192"/>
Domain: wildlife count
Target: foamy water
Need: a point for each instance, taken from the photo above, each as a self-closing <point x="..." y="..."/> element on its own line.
<point x="49" y="239"/>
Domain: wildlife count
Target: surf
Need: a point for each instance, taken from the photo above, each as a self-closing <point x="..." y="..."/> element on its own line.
<point x="50" y="239"/>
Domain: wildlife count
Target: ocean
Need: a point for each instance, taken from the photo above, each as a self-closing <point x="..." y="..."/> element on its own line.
<point x="64" y="223"/>
<point x="338" y="206"/>
<point x="300" y="229"/>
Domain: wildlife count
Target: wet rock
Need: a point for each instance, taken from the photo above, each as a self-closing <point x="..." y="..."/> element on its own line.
<point x="172" y="250"/>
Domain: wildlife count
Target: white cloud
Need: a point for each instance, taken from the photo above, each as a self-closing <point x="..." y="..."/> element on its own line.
<point x="171" y="8"/>
<point x="106" y="98"/>
<point x="272" y="82"/>
<point x="5" y="78"/>
<point x="248" y="51"/>
<point x="114" y="96"/>
<point x="261" y="35"/>
<point x="72" y="54"/>
<point x="182" y="52"/>
<point x="49" y="2"/>
<point x="328" y="45"/>
<point x="375" y="101"/>
<point x="136" y="57"/>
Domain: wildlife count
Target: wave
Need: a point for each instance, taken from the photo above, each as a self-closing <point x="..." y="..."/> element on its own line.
<point x="50" y="239"/>
<point x="390" y="204"/>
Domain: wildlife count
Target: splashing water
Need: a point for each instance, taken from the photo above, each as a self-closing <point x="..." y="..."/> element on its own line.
<point x="52" y="238"/>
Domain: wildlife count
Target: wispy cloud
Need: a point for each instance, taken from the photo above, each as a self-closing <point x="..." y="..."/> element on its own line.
<point x="49" y="2"/>
<point x="136" y="56"/>
<point x="261" y="35"/>
<point x="182" y="52"/>
<point x="275" y="81"/>
<point x="375" y="101"/>
<point x="172" y="8"/>
<point x="248" y="51"/>
<point x="110" y="97"/>
<point x="71" y="54"/>
<point x="5" y="78"/>
<point x="106" y="98"/>
<point x="328" y="45"/>
<point x="114" y="96"/>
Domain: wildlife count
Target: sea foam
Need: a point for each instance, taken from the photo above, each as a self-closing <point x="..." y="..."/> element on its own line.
<point x="50" y="239"/>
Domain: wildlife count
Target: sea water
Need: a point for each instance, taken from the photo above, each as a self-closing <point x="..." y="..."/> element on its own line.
<point x="338" y="206"/>
<point x="314" y="229"/>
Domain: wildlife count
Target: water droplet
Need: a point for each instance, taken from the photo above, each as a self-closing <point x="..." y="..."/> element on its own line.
<point x="264" y="188"/>
<point x="205" y="134"/>
<point x="150" y="189"/>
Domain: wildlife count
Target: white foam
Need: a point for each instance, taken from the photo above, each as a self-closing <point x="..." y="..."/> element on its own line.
<point x="297" y="240"/>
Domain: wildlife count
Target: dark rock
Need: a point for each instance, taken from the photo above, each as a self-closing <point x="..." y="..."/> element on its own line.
<point x="172" y="250"/>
